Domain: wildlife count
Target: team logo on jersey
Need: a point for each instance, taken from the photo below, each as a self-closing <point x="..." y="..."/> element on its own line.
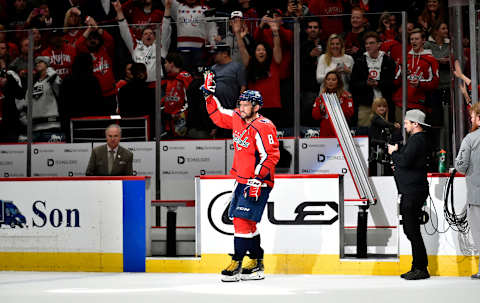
<point x="239" y="141"/>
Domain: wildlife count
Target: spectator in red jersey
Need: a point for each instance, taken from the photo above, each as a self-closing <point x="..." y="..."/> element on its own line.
<point x="140" y="13"/>
<point x="422" y="76"/>
<point x="12" y="47"/>
<point x="263" y="72"/>
<point x="354" y="39"/>
<point x="100" y="45"/>
<point x="333" y="85"/>
<point x="60" y="53"/>
<point x="332" y="8"/>
<point x="175" y="101"/>
<point x="264" y="33"/>
<point x="73" y="19"/>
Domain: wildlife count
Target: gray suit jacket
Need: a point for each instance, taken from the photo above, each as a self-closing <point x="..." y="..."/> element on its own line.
<point x="98" y="164"/>
<point x="468" y="163"/>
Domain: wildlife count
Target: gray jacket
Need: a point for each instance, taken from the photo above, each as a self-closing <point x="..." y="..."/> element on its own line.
<point x="468" y="163"/>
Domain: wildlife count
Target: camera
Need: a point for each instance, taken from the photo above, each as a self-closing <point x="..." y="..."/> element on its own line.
<point x="3" y="73"/>
<point x="379" y="147"/>
<point x="269" y="13"/>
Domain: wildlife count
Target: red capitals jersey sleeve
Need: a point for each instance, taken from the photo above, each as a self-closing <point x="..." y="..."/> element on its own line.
<point x="220" y="116"/>
<point x="266" y="143"/>
<point x="429" y="80"/>
<point x="318" y="110"/>
<point x="347" y="105"/>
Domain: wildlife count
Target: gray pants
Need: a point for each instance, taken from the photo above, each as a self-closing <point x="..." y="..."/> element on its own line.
<point x="474" y="222"/>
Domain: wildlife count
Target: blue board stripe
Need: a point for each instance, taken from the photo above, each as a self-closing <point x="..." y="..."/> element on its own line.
<point x="134" y="242"/>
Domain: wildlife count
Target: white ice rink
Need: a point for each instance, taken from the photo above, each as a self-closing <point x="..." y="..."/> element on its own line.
<point x="36" y="287"/>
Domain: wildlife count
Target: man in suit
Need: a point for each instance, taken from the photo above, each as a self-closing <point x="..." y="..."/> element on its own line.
<point x="111" y="159"/>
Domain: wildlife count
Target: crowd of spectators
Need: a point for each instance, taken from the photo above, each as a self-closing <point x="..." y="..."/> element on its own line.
<point x="98" y="57"/>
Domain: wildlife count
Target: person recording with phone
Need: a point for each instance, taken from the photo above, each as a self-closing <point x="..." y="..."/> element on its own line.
<point x="410" y="173"/>
<point x="468" y="163"/>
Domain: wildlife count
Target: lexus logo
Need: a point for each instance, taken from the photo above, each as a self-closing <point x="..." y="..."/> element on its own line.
<point x="306" y="213"/>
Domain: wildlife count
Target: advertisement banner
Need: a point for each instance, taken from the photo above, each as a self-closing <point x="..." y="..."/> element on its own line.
<point x="13" y="160"/>
<point x="67" y="216"/>
<point x="301" y="216"/>
<point x="284" y="166"/>
<point x="60" y="160"/>
<point x="181" y="161"/>
<point x="324" y="156"/>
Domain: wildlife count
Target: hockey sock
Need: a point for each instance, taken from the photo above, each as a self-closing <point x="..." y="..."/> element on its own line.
<point x="241" y="246"/>
<point x="256" y="251"/>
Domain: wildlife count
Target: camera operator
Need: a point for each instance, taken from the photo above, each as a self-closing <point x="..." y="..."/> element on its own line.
<point x="410" y="172"/>
<point x="467" y="162"/>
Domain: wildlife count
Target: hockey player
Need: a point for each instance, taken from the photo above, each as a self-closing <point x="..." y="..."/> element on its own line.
<point x="256" y="154"/>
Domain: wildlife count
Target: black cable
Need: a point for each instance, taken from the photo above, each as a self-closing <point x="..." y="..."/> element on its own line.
<point x="433" y="210"/>
<point x="457" y="222"/>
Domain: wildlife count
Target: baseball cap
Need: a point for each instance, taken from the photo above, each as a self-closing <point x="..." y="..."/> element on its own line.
<point x="416" y="115"/>
<point x="236" y="14"/>
<point x="221" y="48"/>
<point x="43" y="59"/>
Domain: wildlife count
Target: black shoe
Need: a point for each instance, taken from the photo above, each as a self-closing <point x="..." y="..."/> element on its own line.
<point x="232" y="272"/>
<point x="417" y="274"/>
<point x="253" y="270"/>
<point x="405" y="274"/>
<point x="475" y="276"/>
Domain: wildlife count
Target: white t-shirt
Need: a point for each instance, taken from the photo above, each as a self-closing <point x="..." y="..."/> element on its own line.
<point x="374" y="69"/>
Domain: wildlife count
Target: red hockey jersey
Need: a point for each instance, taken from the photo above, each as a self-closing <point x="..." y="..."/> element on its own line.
<point x="319" y="112"/>
<point x="61" y="60"/>
<point x="102" y="62"/>
<point x="424" y="67"/>
<point x="175" y="99"/>
<point x="255" y="144"/>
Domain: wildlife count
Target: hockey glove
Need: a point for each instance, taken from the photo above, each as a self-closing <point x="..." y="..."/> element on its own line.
<point x="208" y="88"/>
<point x="253" y="188"/>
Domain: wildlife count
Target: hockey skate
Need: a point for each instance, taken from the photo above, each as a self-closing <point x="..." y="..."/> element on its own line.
<point x="232" y="272"/>
<point x="253" y="270"/>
